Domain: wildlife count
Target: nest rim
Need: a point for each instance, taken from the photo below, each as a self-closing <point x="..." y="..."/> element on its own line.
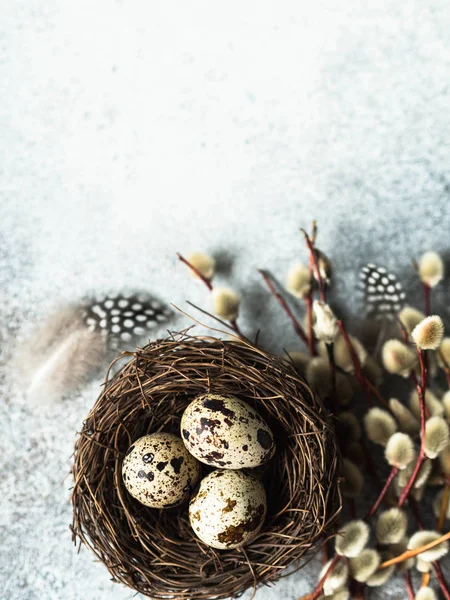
<point x="155" y="552"/>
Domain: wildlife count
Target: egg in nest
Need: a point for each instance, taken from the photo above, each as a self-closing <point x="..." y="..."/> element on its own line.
<point x="228" y="510"/>
<point x="224" y="431"/>
<point x="158" y="470"/>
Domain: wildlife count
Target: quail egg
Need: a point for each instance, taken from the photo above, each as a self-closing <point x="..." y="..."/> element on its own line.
<point x="158" y="470"/>
<point x="228" y="510"/>
<point x="224" y="431"/>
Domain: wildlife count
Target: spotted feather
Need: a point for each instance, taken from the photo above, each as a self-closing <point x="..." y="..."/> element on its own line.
<point x="124" y="317"/>
<point x="383" y="293"/>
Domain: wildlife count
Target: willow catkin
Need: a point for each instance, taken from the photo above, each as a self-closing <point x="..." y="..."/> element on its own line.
<point x="203" y="263"/>
<point x="336" y="578"/>
<point x="399" y="450"/>
<point x="365" y="564"/>
<point x="398" y="358"/>
<point x="352" y="538"/>
<point x="226" y="303"/>
<point x="436" y="436"/>
<point x="353" y="479"/>
<point x="422" y="476"/>
<point x="406" y="420"/>
<point x="431" y="268"/>
<point x="381" y="576"/>
<point x="433" y="404"/>
<point x="425" y="593"/>
<point x="299" y="281"/>
<point x="428" y="333"/>
<point x="379" y="425"/>
<point x="325" y="324"/>
<point x="318" y="375"/>
<point x="421" y="538"/>
<point x="410" y="317"/>
<point x="391" y="526"/>
<point x="437" y="505"/>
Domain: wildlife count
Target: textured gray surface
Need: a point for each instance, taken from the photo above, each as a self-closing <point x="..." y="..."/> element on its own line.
<point x="132" y="129"/>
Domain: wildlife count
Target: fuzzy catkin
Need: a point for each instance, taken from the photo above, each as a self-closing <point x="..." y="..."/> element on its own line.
<point x="425" y="593"/>
<point x="398" y="358"/>
<point x="353" y="479"/>
<point x="399" y="450"/>
<point x="381" y="576"/>
<point x="336" y="579"/>
<point x="422" y="477"/>
<point x="379" y="425"/>
<point x="299" y="281"/>
<point x="436" y="436"/>
<point x="352" y="538"/>
<point x="406" y="420"/>
<point x="391" y="526"/>
<point x="226" y="303"/>
<point x="325" y="323"/>
<point x="365" y="564"/>
<point x="431" y="268"/>
<point x="410" y="317"/>
<point x="421" y="538"/>
<point x="432" y="403"/>
<point x="437" y="505"/>
<point x="204" y="264"/>
<point x="428" y="333"/>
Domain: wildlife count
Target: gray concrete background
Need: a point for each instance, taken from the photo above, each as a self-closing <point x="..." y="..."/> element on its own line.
<point x="133" y="129"/>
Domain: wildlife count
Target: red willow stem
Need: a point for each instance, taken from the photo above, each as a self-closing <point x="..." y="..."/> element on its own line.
<point x="209" y="285"/>
<point x="309" y="317"/>
<point x="196" y="271"/>
<point x="318" y="589"/>
<point x="441" y="579"/>
<point x="408" y="584"/>
<point x="382" y="494"/>
<point x="436" y="565"/>
<point x="314" y="263"/>
<point x="330" y="352"/>
<point x="356" y="363"/>
<point x="285" y="306"/>
<point x="421" y="457"/>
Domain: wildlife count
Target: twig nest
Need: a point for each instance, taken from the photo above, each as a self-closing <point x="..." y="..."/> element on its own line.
<point x="156" y="552"/>
<point x="228" y="510"/>
<point x="223" y="431"/>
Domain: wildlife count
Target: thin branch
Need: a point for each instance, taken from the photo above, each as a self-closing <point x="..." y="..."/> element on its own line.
<point x="196" y="272"/>
<point x="285" y="306"/>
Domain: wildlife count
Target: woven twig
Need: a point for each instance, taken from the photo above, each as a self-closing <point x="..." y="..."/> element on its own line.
<point x="155" y="551"/>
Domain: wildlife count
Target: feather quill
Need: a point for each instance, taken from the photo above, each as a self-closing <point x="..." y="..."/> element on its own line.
<point x="60" y="356"/>
<point x="70" y="346"/>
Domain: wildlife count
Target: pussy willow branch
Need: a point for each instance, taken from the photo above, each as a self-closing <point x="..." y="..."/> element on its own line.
<point x="314" y="263"/>
<point x="232" y="323"/>
<point x="206" y="281"/>
<point x="421" y="457"/>
<point x="285" y="306"/>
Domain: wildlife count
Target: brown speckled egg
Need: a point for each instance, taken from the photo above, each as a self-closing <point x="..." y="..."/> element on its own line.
<point x="228" y="510"/>
<point x="158" y="470"/>
<point x="224" y="431"/>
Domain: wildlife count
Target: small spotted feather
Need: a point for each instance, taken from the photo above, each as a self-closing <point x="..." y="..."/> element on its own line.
<point x="124" y="317"/>
<point x="383" y="293"/>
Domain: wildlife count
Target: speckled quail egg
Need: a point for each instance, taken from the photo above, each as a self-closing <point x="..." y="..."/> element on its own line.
<point x="228" y="510"/>
<point x="224" y="431"/>
<point x="158" y="470"/>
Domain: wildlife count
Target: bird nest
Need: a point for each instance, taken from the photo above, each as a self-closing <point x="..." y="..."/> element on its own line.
<point x="155" y="551"/>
